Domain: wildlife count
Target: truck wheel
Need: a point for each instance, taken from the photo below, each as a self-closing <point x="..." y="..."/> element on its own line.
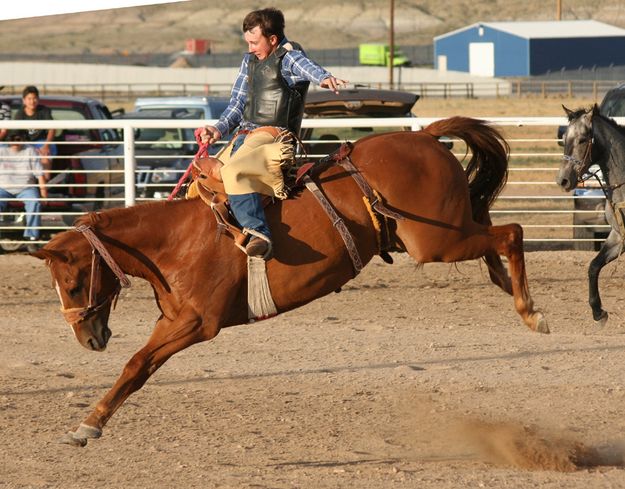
<point x="9" y="246"/>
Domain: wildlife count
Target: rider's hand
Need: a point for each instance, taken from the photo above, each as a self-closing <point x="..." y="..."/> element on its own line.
<point x="333" y="83"/>
<point x="209" y="135"/>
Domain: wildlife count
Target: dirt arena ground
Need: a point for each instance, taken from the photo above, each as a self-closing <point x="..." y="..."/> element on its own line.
<point x="410" y="377"/>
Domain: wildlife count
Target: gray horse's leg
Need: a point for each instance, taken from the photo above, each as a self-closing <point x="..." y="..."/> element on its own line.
<point x="610" y="250"/>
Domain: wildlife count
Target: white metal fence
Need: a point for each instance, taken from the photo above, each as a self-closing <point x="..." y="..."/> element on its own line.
<point x="531" y="196"/>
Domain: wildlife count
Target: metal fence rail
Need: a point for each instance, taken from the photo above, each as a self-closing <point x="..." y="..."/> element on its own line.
<point x="530" y="197"/>
<point x="509" y="88"/>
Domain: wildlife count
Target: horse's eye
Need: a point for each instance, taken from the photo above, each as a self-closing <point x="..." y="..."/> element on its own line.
<point x="73" y="292"/>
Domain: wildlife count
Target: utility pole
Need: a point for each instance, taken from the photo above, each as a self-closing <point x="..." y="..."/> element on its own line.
<point x="391" y="45"/>
<point x="558" y="9"/>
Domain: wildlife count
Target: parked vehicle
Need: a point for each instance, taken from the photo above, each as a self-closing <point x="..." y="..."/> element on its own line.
<point x="380" y="55"/>
<point x="162" y="154"/>
<point x="589" y="196"/>
<point x="57" y="212"/>
<point x="356" y="103"/>
<point x="210" y="107"/>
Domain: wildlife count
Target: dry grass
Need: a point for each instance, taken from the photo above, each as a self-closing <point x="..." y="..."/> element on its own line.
<point x="498" y="107"/>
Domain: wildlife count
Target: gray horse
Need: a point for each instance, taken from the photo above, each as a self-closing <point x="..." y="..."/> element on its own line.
<point x="592" y="138"/>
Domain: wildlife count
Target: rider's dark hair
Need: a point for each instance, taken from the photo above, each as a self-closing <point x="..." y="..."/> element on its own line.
<point x="270" y="20"/>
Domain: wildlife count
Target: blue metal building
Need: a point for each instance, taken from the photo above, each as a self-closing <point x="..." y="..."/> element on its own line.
<point x="529" y="48"/>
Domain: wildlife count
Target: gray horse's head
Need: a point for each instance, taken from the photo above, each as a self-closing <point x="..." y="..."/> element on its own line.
<point x="578" y="139"/>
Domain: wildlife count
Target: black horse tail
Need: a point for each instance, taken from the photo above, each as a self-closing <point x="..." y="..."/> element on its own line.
<point x="487" y="170"/>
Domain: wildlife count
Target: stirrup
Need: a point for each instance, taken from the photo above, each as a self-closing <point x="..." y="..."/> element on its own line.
<point x="268" y="253"/>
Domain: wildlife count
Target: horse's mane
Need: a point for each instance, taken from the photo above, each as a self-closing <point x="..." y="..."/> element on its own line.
<point x="103" y="218"/>
<point x="576" y="114"/>
<point x="613" y="123"/>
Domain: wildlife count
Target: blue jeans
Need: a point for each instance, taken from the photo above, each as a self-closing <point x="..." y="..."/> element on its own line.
<point x="248" y="208"/>
<point x="51" y="147"/>
<point x="33" y="207"/>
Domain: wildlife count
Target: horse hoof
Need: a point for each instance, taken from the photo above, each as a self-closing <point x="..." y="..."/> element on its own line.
<point x="86" y="431"/>
<point x="70" y="438"/>
<point x="603" y="319"/>
<point x="541" y="324"/>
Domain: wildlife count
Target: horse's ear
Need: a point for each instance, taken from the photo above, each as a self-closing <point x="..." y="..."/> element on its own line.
<point x="569" y="112"/>
<point x="595" y="110"/>
<point x="51" y="255"/>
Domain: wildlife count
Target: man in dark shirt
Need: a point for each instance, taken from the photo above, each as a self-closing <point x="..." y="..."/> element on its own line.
<point x="33" y="111"/>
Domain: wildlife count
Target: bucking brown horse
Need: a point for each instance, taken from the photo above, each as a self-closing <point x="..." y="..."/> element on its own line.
<point x="200" y="282"/>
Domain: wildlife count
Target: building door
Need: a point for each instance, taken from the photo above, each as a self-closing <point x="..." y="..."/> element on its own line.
<point x="482" y="58"/>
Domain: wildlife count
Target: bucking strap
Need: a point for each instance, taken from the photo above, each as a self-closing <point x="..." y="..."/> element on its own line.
<point x="371" y="195"/>
<point x="337" y="222"/>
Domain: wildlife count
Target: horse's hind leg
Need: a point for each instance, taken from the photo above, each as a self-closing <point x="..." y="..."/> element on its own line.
<point x="497" y="272"/>
<point x="507" y="241"/>
<point x="610" y="250"/>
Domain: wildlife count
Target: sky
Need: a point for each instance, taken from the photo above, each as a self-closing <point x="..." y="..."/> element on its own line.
<point x="38" y="8"/>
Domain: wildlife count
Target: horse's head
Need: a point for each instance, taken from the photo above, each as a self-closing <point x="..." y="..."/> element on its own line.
<point x="86" y="287"/>
<point x="578" y="140"/>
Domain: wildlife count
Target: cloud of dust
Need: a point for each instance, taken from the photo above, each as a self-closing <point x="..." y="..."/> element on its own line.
<point x="428" y="433"/>
<point x="509" y="443"/>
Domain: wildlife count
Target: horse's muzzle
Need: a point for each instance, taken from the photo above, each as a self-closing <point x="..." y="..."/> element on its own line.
<point x="567" y="179"/>
<point x="94" y="341"/>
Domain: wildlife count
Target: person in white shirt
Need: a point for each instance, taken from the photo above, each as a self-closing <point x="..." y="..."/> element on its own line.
<point x="22" y="177"/>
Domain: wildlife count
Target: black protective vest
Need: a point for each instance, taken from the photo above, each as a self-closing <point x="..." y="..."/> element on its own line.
<point x="270" y="101"/>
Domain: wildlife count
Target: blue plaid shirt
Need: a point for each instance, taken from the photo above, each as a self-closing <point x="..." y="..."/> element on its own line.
<point x="296" y="67"/>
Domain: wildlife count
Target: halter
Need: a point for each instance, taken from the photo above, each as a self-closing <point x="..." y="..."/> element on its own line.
<point x="76" y="315"/>
<point x="585" y="162"/>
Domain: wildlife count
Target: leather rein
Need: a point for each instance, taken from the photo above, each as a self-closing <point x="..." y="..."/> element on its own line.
<point x="76" y="315"/>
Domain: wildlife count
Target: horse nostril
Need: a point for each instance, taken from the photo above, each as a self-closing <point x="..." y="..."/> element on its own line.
<point x="90" y="343"/>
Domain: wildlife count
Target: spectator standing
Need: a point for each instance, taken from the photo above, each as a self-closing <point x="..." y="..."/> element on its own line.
<point x="20" y="171"/>
<point x="32" y="110"/>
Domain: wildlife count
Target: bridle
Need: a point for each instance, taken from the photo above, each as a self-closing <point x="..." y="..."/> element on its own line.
<point x="579" y="166"/>
<point x="76" y="315"/>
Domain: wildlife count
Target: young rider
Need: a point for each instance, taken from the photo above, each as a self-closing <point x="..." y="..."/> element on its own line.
<point x="269" y="90"/>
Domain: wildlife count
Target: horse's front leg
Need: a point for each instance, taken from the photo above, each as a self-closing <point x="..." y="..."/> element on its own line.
<point x="168" y="338"/>
<point x="610" y="250"/>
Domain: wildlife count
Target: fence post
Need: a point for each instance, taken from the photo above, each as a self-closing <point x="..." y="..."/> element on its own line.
<point x="130" y="166"/>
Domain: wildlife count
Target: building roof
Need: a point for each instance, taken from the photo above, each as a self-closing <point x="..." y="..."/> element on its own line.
<point x="552" y="29"/>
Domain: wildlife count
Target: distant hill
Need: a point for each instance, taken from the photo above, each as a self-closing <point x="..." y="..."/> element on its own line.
<point x="318" y="24"/>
